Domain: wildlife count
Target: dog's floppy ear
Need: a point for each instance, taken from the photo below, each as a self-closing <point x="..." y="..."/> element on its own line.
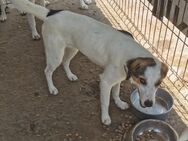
<point x="138" y="65"/>
<point x="164" y="70"/>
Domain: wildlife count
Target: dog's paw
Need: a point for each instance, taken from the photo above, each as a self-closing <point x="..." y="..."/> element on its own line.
<point x="22" y="13"/>
<point x="122" y="105"/>
<point x="53" y="91"/>
<point x="72" y="77"/>
<point x="106" y="120"/>
<point x="3" y="18"/>
<point x="46" y="3"/>
<point x="35" y="36"/>
<point x="84" y="6"/>
<point x="88" y="1"/>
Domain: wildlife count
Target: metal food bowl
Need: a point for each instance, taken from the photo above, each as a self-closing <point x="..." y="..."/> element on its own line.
<point x="158" y="131"/>
<point x="160" y="110"/>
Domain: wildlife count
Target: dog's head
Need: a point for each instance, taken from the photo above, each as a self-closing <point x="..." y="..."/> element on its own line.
<point x="147" y="75"/>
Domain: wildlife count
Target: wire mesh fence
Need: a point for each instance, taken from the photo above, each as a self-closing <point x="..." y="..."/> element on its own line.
<point x="161" y="26"/>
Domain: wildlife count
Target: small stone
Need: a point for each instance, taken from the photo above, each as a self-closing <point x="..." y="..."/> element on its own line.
<point x="37" y="115"/>
<point x="67" y="122"/>
<point x="104" y="134"/>
<point x="68" y="135"/>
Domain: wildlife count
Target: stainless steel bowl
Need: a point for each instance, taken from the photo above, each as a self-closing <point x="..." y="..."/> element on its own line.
<point x="160" y="110"/>
<point x="161" y="131"/>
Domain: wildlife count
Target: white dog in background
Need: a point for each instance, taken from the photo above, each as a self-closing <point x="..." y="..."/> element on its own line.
<point x="31" y="18"/>
<point x="3" y="15"/>
<point x="65" y="33"/>
<point x="84" y="3"/>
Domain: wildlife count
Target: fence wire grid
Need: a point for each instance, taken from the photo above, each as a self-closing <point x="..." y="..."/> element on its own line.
<point x="164" y="33"/>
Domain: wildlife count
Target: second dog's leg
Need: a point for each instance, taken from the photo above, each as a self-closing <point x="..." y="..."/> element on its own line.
<point x="88" y="1"/>
<point x="69" y="54"/>
<point x="32" y="24"/>
<point x="44" y="3"/>
<point x="115" y="93"/>
<point x="3" y="16"/>
<point x="83" y="5"/>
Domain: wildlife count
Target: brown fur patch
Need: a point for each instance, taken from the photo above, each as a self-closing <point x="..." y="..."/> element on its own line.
<point x="164" y="70"/>
<point x="136" y="67"/>
<point x="136" y="79"/>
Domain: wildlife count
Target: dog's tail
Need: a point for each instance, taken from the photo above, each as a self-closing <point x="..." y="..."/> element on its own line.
<point x="29" y="7"/>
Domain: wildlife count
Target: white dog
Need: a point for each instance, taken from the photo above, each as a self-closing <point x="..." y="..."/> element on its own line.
<point x="3" y="15"/>
<point x="31" y="18"/>
<point x="64" y="33"/>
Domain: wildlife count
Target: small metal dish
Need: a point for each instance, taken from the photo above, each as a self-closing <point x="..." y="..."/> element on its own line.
<point x="160" y="130"/>
<point x="160" y="110"/>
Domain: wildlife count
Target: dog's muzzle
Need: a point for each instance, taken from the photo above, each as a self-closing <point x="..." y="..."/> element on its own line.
<point x="148" y="103"/>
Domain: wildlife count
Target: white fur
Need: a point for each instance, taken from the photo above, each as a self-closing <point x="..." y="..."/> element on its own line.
<point x="147" y="92"/>
<point x="84" y="3"/>
<point x="184" y="135"/>
<point x="64" y="33"/>
<point x="32" y="24"/>
<point x="30" y="17"/>
<point x="3" y="15"/>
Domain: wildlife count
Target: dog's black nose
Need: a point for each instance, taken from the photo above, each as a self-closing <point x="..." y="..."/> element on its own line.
<point x="148" y="103"/>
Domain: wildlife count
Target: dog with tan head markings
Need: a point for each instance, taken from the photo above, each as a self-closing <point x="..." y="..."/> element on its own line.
<point x="65" y="33"/>
<point x="147" y="75"/>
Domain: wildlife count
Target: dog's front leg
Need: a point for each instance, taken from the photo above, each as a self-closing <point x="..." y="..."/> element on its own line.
<point x="32" y="24"/>
<point x="105" y="89"/>
<point x="115" y="93"/>
<point x="3" y="16"/>
<point x="111" y="76"/>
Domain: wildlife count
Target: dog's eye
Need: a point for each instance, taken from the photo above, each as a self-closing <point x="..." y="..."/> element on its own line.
<point x="143" y="81"/>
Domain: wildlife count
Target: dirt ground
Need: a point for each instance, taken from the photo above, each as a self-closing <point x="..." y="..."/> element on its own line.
<point x="29" y="113"/>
